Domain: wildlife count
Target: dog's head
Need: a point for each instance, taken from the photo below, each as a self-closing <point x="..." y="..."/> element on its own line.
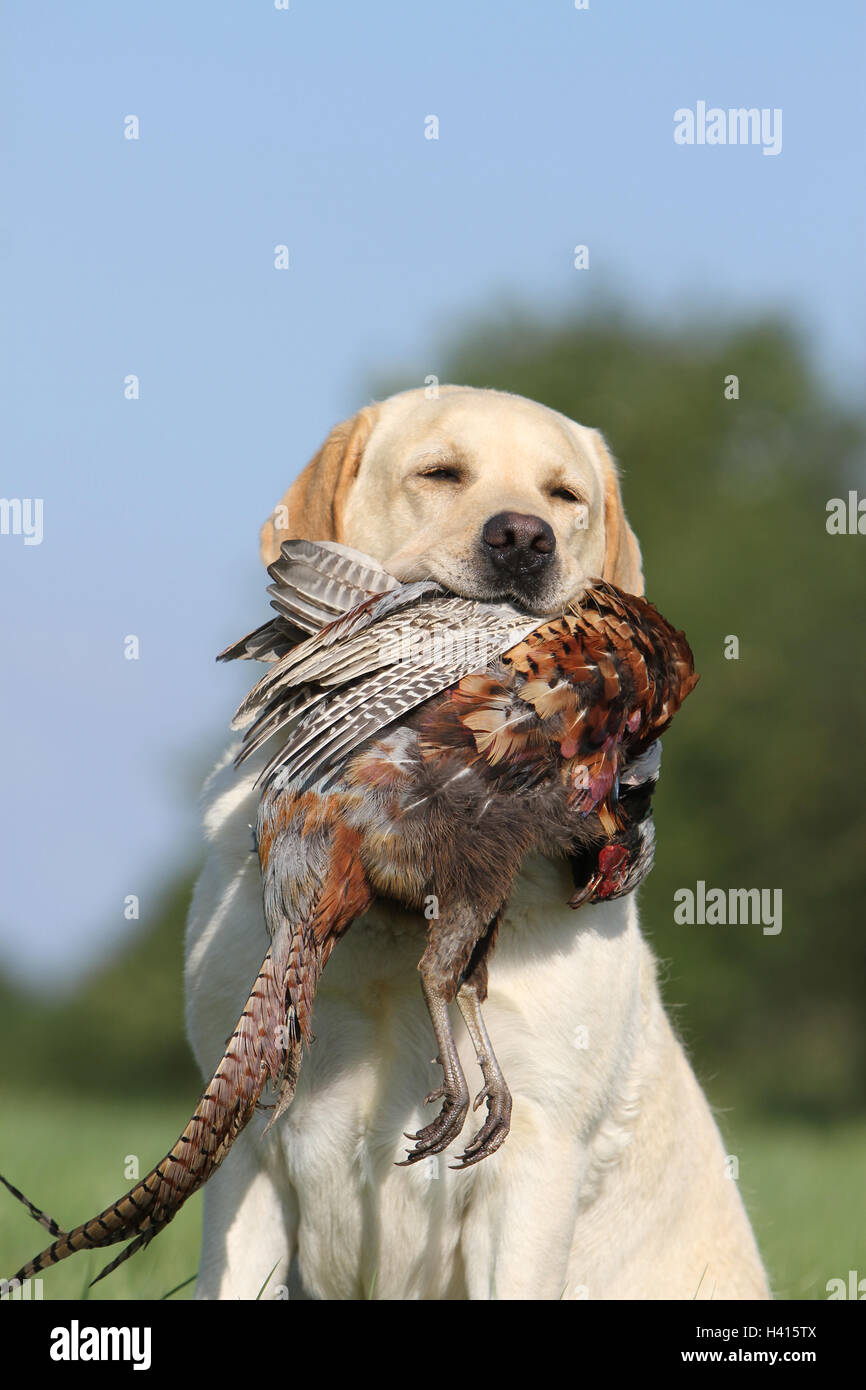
<point x="495" y="496"/>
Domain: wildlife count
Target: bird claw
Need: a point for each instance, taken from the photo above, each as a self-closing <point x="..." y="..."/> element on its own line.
<point x="606" y="882"/>
<point x="494" y="1131"/>
<point x="435" y="1137"/>
<point x="584" y="894"/>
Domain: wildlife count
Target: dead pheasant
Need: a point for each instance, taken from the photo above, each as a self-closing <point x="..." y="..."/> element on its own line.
<point x="428" y="742"/>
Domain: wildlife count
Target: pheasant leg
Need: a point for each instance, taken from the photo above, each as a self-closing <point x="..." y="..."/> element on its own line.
<point x="495" y="1091"/>
<point x="453" y="1093"/>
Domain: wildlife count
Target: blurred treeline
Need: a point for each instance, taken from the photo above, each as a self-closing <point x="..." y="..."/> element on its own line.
<point x="762" y="784"/>
<point x="763" y="774"/>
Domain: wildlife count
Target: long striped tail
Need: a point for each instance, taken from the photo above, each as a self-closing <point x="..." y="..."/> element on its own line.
<point x="261" y="1047"/>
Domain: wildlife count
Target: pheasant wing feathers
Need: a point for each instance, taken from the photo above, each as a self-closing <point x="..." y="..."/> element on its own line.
<point x="313" y="585"/>
<point x="396" y="646"/>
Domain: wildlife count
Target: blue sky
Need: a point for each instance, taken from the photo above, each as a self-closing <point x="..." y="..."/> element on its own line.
<point x="155" y="257"/>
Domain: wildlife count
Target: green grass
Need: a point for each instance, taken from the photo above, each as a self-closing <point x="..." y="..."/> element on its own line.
<point x="67" y="1156"/>
<point x="802" y="1185"/>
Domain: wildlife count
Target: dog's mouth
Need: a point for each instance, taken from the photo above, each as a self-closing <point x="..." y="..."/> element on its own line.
<point x="535" y="593"/>
<point x="533" y="586"/>
<point x="533" y="600"/>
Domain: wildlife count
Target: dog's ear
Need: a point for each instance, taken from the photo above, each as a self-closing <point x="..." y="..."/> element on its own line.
<point x="312" y="508"/>
<point x="623" y="564"/>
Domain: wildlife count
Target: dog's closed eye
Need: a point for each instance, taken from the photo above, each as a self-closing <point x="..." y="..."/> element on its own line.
<point x="443" y="472"/>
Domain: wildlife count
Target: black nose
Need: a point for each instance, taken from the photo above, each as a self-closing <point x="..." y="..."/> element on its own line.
<point x="517" y="543"/>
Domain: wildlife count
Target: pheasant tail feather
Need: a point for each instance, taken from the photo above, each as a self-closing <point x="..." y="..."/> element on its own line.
<point x="261" y="1047"/>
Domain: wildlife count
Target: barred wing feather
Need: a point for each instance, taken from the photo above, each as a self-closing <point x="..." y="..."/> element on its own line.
<point x="365" y="668"/>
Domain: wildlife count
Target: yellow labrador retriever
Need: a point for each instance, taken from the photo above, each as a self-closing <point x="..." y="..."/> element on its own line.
<point x="613" y="1183"/>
